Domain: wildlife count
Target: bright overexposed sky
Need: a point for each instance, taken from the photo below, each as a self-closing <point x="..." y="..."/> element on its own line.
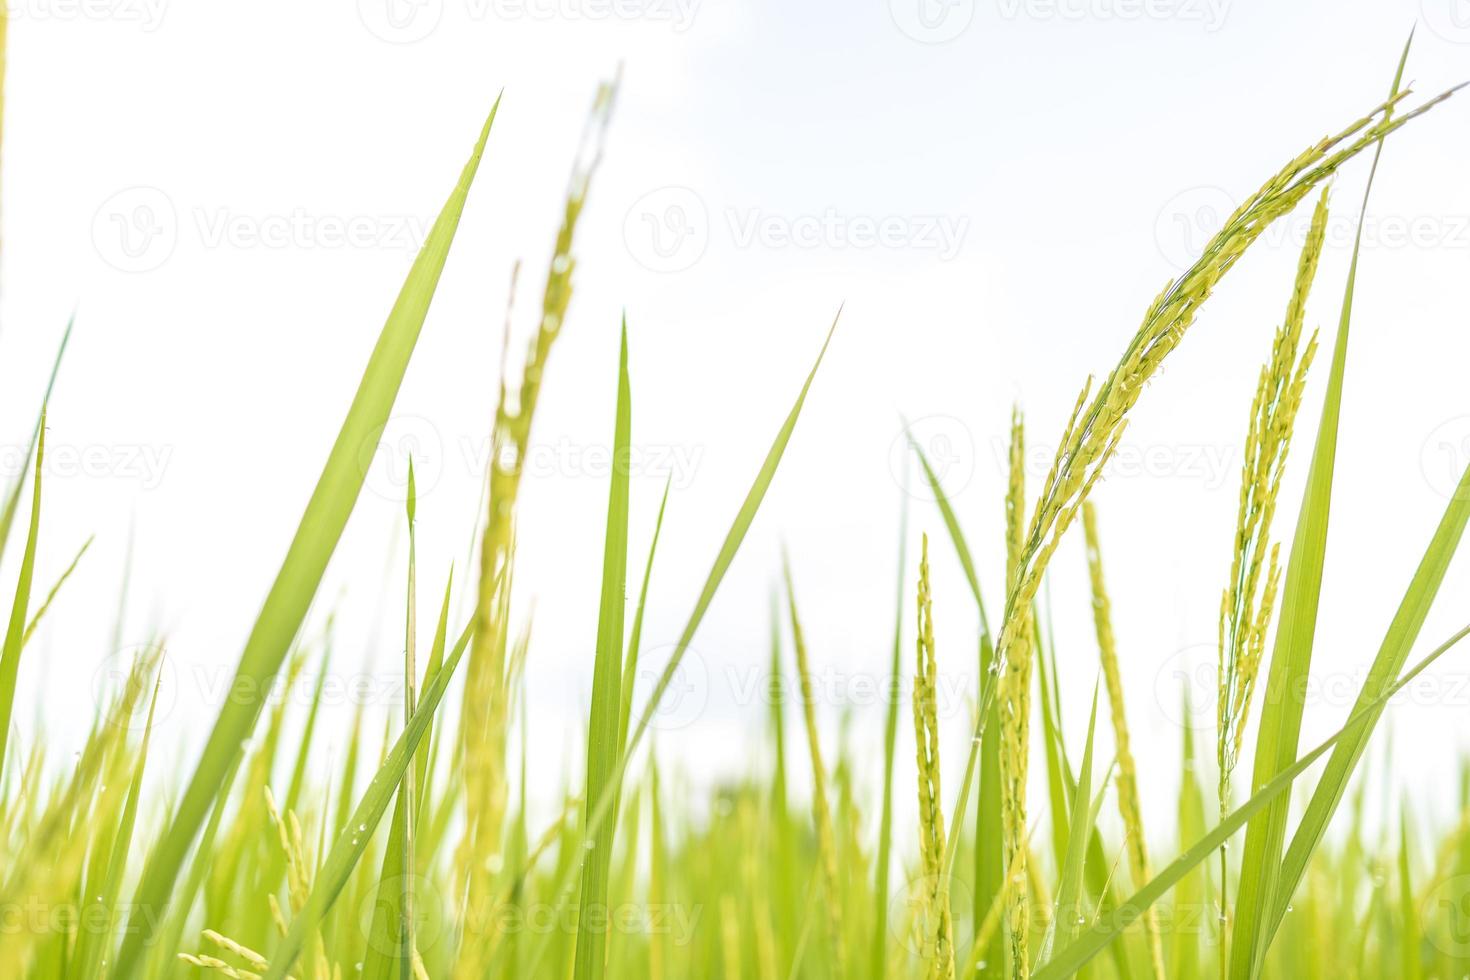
<point x="229" y="197"/>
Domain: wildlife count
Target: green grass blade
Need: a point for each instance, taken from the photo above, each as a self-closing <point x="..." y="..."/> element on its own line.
<point x="301" y="572"/>
<point x="728" y="549"/>
<point x="1280" y="723"/>
<point x="604" y="730"/>
<point x="388" y="942"/>
<point x="354" y="839"/>
<point x="51" y="595"/>
<point x="1412" y="968"/>
<point x="163" y="962"/>
<point x="303" y="752"/>
<point x="890" y="742"/>
<point x="1068" y="915"/>
<point x="12" y="499"/>
<point x="15" y="632"/>
<point x="984" y="754"/>
<point x="956" y="536"/>
<point x="390" y="936"/>
<point x="1110" y="926"/>
<point x="1403" y="631"/>
<point x="743" y="519"/>
<point x="635" y="638"/>
<point x="92" y="945"/>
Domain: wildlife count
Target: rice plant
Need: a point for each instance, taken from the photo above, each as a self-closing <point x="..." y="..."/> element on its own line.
<point x="419" y="856"/>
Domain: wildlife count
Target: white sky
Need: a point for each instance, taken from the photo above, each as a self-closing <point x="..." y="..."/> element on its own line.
<point x="995" y="211"/>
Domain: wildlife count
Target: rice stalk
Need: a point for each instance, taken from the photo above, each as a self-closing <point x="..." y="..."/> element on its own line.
<point x="485" y="707"/>
<point x="821" y="807"/>
<point x="1248" y="601"/>
<point x="1129" y="806"/>
<point x="1098" y="420"/>
<point x="938" y="941"/>
<point x="1014" y="699"/>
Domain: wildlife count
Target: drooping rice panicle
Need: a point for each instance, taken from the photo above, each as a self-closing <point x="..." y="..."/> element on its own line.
<point x="1097" y="425"/>
<point x="1099" y="419"/>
